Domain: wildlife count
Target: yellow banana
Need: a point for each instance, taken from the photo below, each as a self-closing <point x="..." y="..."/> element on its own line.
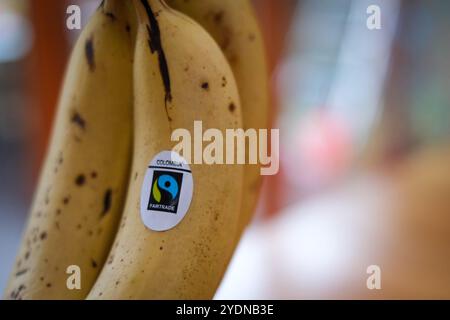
<point x="82" y="187"/>
<point x="180" y="76"/>
<point x="232" y="23"/>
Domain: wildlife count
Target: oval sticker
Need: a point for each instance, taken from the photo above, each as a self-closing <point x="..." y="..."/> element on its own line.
<point x="166" y="192"/>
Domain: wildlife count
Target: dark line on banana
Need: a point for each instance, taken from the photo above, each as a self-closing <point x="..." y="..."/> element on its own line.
<point x="90" y="53"/>
<point x="21" y="272"/>
<point x="155" y="44"/>
<point x="107" y="200"/>
<point x="110" y="15"/>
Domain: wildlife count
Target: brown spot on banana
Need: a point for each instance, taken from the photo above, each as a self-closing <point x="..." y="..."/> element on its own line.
<point x="205" y="86"/>
<point x="66" y="200"/>
<point x="78" y="120"/>
<point x="80" y="180"/>
<point x="218" y="17"/>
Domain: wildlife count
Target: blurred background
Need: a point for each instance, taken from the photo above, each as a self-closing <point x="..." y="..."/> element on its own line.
<point x="364" y="119"/>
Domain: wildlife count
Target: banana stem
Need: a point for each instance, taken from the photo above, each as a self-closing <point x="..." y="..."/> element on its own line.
<point x="113" y="6"/>
<point x="139" y="6"/>
<point x="157" y="5"/>
<point x="144" y="6"/>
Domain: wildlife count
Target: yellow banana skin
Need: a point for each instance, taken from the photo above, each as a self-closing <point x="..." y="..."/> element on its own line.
<point x="179" y="78"/>
<point x="81" y="191"/>
<point x="232" y="23"/>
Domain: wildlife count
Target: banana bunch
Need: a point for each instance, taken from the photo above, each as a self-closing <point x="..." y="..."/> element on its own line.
<point x="81" y="190"/>
<point x="233" y="24"/>
<point x="139" y="71"/>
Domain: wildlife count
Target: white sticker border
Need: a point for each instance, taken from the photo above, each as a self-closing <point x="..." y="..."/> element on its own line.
<point x="164" y="221"/>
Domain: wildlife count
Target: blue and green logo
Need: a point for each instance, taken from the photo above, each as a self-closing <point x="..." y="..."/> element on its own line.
<point x="165" y="191"/>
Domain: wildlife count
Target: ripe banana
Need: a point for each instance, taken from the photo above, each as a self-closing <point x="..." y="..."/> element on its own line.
<point x="180" y="76"/>
<point x="82" y="187"/>
<point x="232" y="23"/>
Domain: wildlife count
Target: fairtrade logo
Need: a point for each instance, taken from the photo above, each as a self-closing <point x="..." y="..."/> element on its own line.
<point x="167" y="183"/>
<point x="165" y="192"/>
